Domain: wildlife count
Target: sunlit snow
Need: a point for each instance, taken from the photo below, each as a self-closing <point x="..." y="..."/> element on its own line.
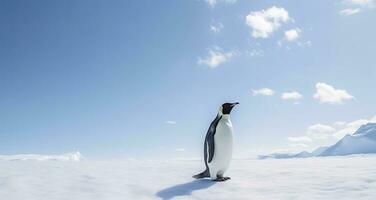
<point x="349" y="177"/>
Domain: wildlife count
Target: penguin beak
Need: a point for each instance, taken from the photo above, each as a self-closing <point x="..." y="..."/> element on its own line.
<point x="234" y="104"/>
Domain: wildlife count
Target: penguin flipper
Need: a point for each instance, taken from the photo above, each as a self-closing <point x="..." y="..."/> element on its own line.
<point x="210" y="137"/>
<point x="211" y="147"/>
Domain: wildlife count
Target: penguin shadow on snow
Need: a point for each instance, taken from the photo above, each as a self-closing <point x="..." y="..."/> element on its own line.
<point x="184" y="189"/>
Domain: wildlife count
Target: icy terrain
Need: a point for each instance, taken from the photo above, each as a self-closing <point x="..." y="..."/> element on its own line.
<point x="348" y="177"/>
<point x="363" y="141"/>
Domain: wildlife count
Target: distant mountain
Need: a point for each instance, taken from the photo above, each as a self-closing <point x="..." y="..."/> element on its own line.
<point x="303" y="154"/>
<point x="276" y="156"/>
<point x="363" y="141"/>
<point x="318" y="151"/>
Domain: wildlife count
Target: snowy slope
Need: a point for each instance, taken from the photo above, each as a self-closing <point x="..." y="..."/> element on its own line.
<point x="363" y="141"/>
<point x="318" y="151"/>
<point x="348" y="177"/>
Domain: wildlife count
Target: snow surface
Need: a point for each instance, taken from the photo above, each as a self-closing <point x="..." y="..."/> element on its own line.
<point x="345" y="177"/>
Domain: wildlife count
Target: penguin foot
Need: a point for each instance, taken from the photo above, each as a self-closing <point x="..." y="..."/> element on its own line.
<point x="202" y="175"/>
<point x="221" y="179"/>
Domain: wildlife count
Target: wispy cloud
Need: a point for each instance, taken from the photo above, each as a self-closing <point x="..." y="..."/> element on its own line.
<point x="356" y="6"/>
<point x="339" y="123"/>
<point x="342" y="129"/>
<point x="254" y="52"/>
<point x="263" y="92"/>
<point x="293" y="95"/>
<point x="216" y="56"/>
<point x="320" y="131"/>
<point x="326" y="93"/>
<point x="349" y="11"/>
<point x="307" y="43"/>
<point x="317" y="134"/>
<point x="263" y="23"/>
<point x="170" y="122"/>
<point x="300" y="139"/>
<point x="298" y="145"/>
<point x="212" y="3"/>
<point x="292" y="34"/>
<point x="216" y="28"/>
<point x="362" y="3"/>
<point x="351" y="127"/>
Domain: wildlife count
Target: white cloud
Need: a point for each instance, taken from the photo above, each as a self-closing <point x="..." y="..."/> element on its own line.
<point x="170" y="122"/>
<point x="324" y="135"/>
<point x="263" y="23"/>
<point x="349" y="11"/>
<point x="214" y="2"/>
<point x="298" y="145"/>
<point x="263" y="92"/>
<point x="343" y="128"/>
<point x="216" y="57"/>
<point x="356" y="6"/>
<point x="320" y="131"/>
<point x="339" y="123"/>
<point x="362" y="3"/>
<point x="326" y="93"/>
<point x="300" y="139"/>
<point x="292" y="34"/>
<point x="293" y="95"/>
<point x="216" y="28"/>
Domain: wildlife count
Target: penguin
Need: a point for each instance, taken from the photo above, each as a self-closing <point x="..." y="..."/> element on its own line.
<point x="218" y="145"/>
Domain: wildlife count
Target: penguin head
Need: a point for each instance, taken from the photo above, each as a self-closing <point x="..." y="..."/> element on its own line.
<point x="227" y="107"/>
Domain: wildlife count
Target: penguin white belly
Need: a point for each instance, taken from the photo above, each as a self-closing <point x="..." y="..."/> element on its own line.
<point x="223" y="148"/>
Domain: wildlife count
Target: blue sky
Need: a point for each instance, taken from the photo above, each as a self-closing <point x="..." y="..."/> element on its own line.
<point x="145" y="78"/>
